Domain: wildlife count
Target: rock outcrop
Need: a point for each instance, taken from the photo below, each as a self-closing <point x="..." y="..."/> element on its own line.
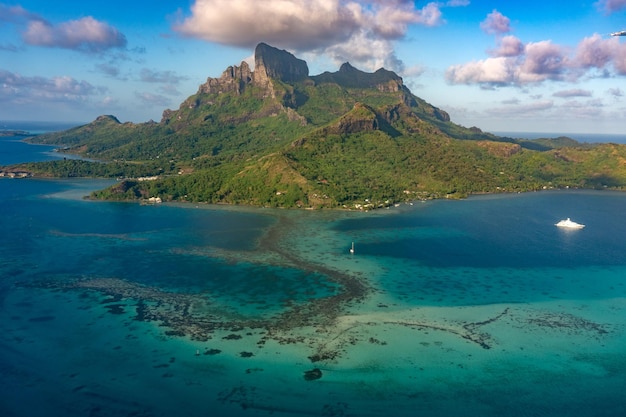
<point x="269" y="63"/>
<point x="442" y="115"/>
<point x="272" y="64"/>
<point x="106" y="118"/>
<point x="233" y="80"/>
<point x="351" y="77"/>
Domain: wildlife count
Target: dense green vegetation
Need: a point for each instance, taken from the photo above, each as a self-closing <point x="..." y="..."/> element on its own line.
<point x="74" y="168"/>
<point x="344" y="139"/>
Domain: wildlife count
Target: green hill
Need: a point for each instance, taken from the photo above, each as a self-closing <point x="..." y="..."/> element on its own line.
<point x="277" y="136"/>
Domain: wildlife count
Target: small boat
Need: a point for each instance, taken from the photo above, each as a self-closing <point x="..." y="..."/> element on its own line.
<point x="568" y="224"/>
<point x="352" y="248"/>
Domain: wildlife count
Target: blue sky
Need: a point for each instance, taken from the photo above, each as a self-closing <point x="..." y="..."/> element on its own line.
<point x="531" y="66"/>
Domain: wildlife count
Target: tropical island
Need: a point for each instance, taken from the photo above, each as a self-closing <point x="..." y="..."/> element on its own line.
<point x="13" y="133"/>
<point x="276" y="136"/>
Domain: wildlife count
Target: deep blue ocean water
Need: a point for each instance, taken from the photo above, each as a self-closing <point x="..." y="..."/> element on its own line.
<point x="477" y="307"/>
<point x="580" y="137"/>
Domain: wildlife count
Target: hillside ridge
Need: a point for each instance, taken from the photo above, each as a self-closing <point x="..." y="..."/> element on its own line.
<point x="278" y="136"/>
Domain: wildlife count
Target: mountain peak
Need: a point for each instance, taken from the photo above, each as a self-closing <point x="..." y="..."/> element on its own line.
<point x="270" y="62"/>
<point x="347" y="67"/>
<point x="107" y="118"/>
<point x="351" y="77"/>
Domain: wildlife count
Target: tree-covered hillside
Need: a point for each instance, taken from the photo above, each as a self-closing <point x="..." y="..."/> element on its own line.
<point x="276" y="136"/>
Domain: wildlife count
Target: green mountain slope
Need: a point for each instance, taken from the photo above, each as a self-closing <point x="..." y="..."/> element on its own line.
<point x="276" y="136"/>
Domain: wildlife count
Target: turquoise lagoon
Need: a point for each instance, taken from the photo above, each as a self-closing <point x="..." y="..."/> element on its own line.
<point x="477" y="307"/>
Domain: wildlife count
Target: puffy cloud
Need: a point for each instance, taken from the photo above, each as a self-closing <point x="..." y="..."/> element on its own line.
<point x="496" y="23"/>
<point x="298" y="25"/>
<point x="611" y="6"/>
<point x="595" y="51"/>
<point x="86" y="34"/>
<point x="15" y="14"/>
<point x="537" y="62"/>
<point x="492" y="71"/>
<point x="390" y="19"/>
<point x="543" y="60"/>
<point x="514" y="63"/>
<point x="332" y="26"/>
<point x="575" y="92"/>
<point x="619" y="62"/>
<point x="17" y="89"/>
<point x="615" y="92"/>
<point x="509" y="46"/>
<point x="359" y="48"/>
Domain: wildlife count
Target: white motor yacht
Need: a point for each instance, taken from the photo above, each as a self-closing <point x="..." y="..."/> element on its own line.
<point x="569" y="224"/>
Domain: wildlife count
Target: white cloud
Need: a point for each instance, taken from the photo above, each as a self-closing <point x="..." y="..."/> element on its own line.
<point x="358" y="50"/>
<point x="595" y="52"/>
<point x="499" y="70"/>
<point x="390" y="19"/>
<point x="543" y="61"/>
<point x="611" y="6"/>
<point x="299" y="25"/>
<point x="340" y="28"/>
<point x="86" y="34"/>
<point x="513" y="63"/>
<point x="15" y="14"/>
<point x="537" y="62"/>
<point x="17" y="89"/>
<point x="496" y="23"/>
<point x="575" y="92"/>
<point x="508" y="46"/>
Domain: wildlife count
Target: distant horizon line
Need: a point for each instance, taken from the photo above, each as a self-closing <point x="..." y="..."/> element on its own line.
<point x="4" y="124"/>
<point x="553" y="134"/>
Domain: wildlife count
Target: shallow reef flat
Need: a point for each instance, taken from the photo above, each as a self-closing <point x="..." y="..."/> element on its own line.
<point x="422" y="319"/>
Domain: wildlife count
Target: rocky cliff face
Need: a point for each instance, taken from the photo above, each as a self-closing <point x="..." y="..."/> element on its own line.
<point x="272" y="63"/>
<point x="351" y="77"/>
<point x="277" y="64"/>
<point x="269" y="63"/>
<point x="233" y="80"/>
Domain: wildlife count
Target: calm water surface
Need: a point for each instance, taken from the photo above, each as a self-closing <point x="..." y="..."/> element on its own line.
<point x="474" y="307"/>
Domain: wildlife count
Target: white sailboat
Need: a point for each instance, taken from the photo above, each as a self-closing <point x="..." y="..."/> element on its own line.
<point x="352" y="248"/>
